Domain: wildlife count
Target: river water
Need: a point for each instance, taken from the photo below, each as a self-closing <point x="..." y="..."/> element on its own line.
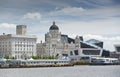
<point x="75" y="71"/>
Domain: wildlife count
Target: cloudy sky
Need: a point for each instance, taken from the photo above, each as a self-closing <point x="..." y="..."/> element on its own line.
<point x="98" y="19"/>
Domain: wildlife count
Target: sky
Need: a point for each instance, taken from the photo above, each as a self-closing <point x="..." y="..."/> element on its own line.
<point x="92" y="19"/>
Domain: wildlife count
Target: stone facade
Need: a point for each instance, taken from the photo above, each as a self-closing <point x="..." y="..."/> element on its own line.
<point x="21" y="30"/>
<point x="58" y="44"/>
<point x="19" y="46"/>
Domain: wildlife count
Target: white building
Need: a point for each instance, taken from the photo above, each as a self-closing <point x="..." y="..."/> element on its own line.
<point x="19" y="46"/>
<point x="58" y="44"/>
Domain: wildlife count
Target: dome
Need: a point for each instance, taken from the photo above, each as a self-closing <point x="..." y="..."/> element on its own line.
<point x="54" y="27"/>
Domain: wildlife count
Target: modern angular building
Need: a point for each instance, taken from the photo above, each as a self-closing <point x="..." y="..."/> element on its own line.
<point x="19" y="46"/>
<point x="57" y="44"/>
<point x="95" y="42"/>
<point x="117" y="48"/>
<point x="116" y="54"/>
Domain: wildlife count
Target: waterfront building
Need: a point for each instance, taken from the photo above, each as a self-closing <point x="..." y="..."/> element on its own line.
<point x="117" y="48"/>
<point x="105" y="53"/>
<point x="40" y="47"/>
<point x="57" y="44"/>
<point x="116" y="54"/>
<point x="95" y="42"/>
<point x="19" y="46"/>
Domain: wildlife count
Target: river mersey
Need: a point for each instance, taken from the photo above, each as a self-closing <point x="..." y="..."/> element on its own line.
<point x="75" y="71"/>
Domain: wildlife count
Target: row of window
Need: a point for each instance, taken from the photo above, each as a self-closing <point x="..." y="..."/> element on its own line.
<point x="7" y="49"/>
<point x="26" y="52"/>
<point x="25" y="40"/>
<point x="86" y="52"/>
<point x="5" y="42"/>
<point x="2" y="43"/>
<point x="5" y="45"/>
<point x="20" y="45"/>
<point x="23" y="49"/>
<point x="91" y="52"/>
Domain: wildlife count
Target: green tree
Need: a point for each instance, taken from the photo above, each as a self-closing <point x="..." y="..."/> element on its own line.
<point x="9" y="57"/>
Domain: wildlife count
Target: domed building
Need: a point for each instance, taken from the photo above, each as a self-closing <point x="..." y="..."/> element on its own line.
<point x="53" y="35"/>
<point x="54" y="27"/>
<point x="53" y="41"/>
<point x="59" y="44"/>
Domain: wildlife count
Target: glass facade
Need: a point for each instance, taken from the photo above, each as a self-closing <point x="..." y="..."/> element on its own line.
<point x="91" y="52"/>
<point x="118" y="49"/>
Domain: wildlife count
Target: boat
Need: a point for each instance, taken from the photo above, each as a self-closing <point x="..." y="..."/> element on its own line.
<point x="19" y="63"/>
<point x="3" y="63"/>
<point x="103" y="61"/>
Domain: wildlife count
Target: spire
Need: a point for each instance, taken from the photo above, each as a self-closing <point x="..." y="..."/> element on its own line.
<point x="53" y="22"/>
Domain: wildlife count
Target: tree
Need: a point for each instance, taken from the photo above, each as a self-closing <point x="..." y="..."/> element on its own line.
<point x="9" y="57"/>
<point x="44" y="57"/>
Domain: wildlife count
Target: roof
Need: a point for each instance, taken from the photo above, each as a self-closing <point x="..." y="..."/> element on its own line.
<point x="54" y="27"/>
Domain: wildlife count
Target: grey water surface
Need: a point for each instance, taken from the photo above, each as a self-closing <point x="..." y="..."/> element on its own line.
<point x="75" y="71"/>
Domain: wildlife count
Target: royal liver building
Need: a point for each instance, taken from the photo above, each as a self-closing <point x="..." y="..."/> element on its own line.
<point x="58" y="44"/>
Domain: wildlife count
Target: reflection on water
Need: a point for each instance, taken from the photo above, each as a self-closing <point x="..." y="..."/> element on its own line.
<point x="76" y="71"/>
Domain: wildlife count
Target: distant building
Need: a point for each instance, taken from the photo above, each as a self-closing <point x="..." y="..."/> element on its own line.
<point x="57" y="44"/>
<point x="117" y="48"/>
<point x="41" y="49"/>
<point x="105" y="53"/>
<point x="19" y="46"/>
<point x="116" y="54"/>
<point x="96" y="42"/>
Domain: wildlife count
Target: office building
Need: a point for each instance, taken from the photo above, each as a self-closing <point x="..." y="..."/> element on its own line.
<point x="19" y="46"/>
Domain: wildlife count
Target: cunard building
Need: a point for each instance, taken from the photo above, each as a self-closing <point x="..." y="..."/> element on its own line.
<point x="57" y="44"/>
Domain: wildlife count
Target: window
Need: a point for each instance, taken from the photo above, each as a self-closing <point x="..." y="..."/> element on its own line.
<point x="24" y="39"/>
<point x="53" y="45"/>
<point x="118" y="49"/>
<point x="76" y="52"/>
<point x="71" y="53"/>
<point x="65" y="54"/>
<point x="84" y="58"/>
<point x="91" y="52"/>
